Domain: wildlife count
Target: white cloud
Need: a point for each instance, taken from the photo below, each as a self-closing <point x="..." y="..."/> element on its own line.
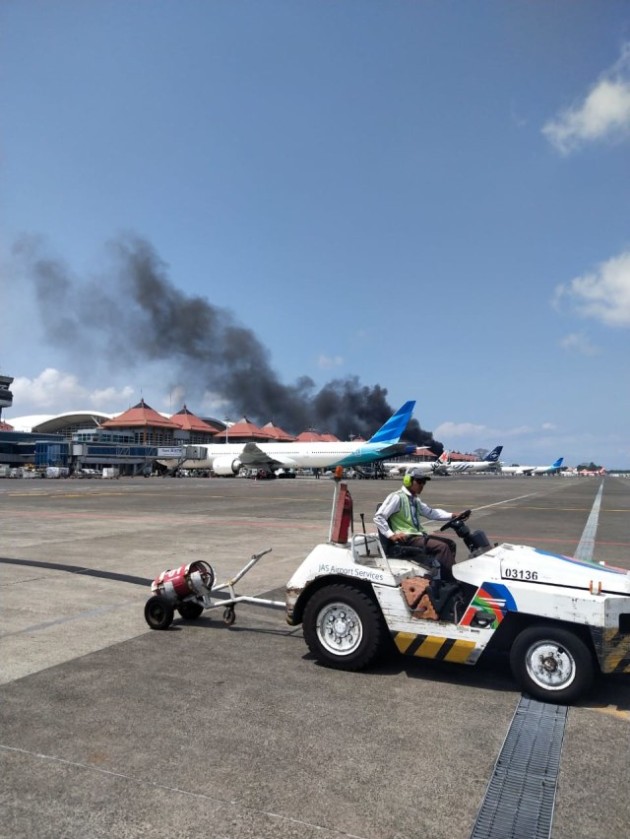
<point x="580" y="343"/>
<point x="57" y="392"/>
<point x="604" y="294"/>
<point x="102" y="399"/>
<point x="459" y="429"/>
<point x="214" y="405"/>
<point x="603" y="114"/>
<point x="483" y="435"/>
<point x="326" y="362"/>
<point x="48" y="390"/>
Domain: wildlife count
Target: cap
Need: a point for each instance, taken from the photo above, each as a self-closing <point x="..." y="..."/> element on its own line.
<point x="418" y="475"/>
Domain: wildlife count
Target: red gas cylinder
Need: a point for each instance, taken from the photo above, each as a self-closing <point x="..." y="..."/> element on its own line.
<point x="176" y="584"/>
<point x="342" y="518"/>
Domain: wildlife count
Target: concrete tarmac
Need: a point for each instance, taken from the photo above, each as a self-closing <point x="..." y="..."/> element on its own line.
<point x="113" y="731"/>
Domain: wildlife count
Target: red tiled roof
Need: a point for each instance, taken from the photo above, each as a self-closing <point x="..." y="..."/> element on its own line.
<point x="460" y="456"/>
<point x="188" y="421"/>
<point x="141" y="415"/>
<point x="309" y="437"/>
<point x="277" y="433"/>
<point x="243" y="428"/>
<point x="4" y="426"/>
<point x="424" y="453"/>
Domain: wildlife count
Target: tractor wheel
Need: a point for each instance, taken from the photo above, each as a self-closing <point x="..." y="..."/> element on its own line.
<point x="190" y="610"/>
<point x="343" y="627"/>
<point x="158" y="612"/>
<point x="552" y="664"/>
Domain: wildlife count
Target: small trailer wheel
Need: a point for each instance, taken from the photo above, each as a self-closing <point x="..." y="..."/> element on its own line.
<point x="229" y="615"/>
<point x="190" y="610"/>
<point x="158" y="612"/>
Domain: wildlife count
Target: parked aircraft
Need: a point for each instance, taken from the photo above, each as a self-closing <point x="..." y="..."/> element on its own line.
<point x="490" y="463"/>
<point x="431" y="467"/>
<point x="533" y="470"/>
<point x="545" y="470"/>
<point x="228" y="458"/>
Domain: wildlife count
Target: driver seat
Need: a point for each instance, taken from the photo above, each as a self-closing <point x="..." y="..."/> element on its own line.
<point x="414" y="553"/>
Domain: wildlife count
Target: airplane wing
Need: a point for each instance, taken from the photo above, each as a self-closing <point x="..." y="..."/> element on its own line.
<point x="253" y="457"/>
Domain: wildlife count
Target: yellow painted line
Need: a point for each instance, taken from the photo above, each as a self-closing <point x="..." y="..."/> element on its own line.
<point x="460" y="651"/>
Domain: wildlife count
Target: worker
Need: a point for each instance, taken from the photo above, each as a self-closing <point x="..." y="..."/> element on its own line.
<point x="398" y="520"/>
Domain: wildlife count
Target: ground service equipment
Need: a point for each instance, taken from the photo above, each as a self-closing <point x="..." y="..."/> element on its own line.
<point x="561" y="620"/>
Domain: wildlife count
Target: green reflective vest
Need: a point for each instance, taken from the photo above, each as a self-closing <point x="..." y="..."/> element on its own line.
<point x="402" y="521"/>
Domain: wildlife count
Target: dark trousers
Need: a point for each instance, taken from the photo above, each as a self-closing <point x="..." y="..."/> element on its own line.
<point x="440" y="548"/>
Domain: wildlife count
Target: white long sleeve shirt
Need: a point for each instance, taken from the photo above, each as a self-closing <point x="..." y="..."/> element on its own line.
<point x="391" y="505"/>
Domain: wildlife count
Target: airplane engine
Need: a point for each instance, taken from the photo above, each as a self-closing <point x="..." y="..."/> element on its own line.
<point x="226" y="465"/>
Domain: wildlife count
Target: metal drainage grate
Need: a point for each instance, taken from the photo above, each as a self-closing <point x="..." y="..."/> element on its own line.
<point x="519" y="800"/>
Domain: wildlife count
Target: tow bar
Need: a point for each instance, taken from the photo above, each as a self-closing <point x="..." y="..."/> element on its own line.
<point x="190" y="588"/>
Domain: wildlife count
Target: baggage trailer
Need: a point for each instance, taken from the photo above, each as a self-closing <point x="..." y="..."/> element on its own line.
<point x="191" y="589"/>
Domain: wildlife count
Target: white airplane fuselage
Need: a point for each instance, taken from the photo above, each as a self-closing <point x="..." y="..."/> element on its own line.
<point x="472" y="466"/>
<point x="228" y="458"/>
<point x="394" y="468"/>
<point x="292" y="455"/>
<point x="533" y="470"/>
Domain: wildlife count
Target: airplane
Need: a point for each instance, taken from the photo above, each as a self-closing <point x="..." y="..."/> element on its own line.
<point x="556" y="466"/>
<point x="490" y="463"/>
<point x="229" y="458"/>
<point x="433" y="467"/>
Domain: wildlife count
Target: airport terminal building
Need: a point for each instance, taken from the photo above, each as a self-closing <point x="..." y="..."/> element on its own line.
<point x="133" y="442"/>
<point x="139" y="441"/>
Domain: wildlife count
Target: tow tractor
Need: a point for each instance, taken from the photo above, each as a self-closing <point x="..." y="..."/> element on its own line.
<point x="562" y="620"/>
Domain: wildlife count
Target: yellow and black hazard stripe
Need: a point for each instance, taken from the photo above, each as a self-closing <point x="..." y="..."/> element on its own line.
<point x="432" y="646"/>
<point x="613" y="650"/>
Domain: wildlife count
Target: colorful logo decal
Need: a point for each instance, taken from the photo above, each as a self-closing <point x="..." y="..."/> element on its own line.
<point x="490" y="597"/>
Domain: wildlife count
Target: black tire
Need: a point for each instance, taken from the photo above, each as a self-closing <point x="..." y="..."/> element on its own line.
<point x="343" y="627"/>
<point x="552" y="664"/>
<point x="158" y="612"/>
<point x="190" y="610"/>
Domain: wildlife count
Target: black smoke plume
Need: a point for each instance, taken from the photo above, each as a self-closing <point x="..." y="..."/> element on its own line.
<point x="135" y="313"/>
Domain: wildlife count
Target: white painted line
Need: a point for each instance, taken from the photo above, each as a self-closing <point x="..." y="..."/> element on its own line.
<point x="506" y="501"/>
<point x="587" y="543"/>
<point x="212" y="799"/>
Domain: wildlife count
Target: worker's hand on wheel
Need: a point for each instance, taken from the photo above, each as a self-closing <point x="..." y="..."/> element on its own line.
<point x="398" y="537"/>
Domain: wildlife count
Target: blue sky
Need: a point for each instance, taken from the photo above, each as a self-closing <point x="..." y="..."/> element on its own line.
<point x="431" y="197"/>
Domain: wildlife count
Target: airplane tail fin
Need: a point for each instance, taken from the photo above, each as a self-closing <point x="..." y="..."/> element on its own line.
<point x="395" y="425"/>
<point x="495" y="454"/>
<point x="444" y="458"/>
<point x="557" y="463"/>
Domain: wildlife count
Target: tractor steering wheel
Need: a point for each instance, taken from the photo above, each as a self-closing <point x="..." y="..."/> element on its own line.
<point x="456" y="519"/>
